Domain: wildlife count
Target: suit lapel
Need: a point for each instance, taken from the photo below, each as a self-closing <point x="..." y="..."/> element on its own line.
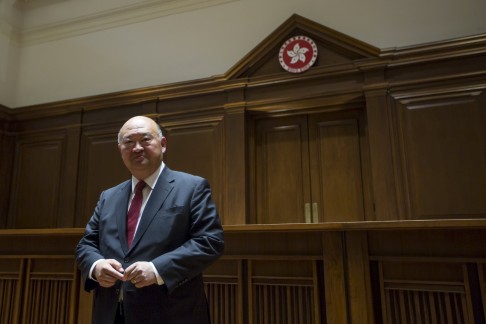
<point x="157" y="198"/>
<point x="121" y="213"/>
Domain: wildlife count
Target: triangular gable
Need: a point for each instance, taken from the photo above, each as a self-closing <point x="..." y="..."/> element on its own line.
<point x="333" y="48"/>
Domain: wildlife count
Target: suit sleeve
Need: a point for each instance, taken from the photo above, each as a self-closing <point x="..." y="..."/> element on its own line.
<point x="205" y="242"/>
<point x="87" y="250"/>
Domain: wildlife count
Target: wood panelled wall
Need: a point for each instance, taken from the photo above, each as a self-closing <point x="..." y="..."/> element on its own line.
<point x="366" y="136"/>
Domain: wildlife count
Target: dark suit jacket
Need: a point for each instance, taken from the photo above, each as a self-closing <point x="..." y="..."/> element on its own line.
<point x="179" y="231"/>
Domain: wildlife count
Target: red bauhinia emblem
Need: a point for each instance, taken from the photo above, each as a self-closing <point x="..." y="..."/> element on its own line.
<point x="298" y="54"/>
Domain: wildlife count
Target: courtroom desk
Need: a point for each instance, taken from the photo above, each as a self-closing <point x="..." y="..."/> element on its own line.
<point x="366" y="272"/>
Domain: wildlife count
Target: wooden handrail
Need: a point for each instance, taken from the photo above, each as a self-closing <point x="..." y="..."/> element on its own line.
<point x="294" y="227"/>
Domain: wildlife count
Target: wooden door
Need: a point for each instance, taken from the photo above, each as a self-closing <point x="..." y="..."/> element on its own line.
<point x="336" y="175"/>
<point x="281" y="168"/>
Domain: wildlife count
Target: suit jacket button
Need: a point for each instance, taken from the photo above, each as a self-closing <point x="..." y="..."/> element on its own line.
<point x="126" y="260"/>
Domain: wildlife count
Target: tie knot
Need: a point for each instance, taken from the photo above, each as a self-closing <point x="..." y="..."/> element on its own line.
<point x="140" y="185"/>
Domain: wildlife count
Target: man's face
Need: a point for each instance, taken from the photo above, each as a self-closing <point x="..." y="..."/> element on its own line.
<point x="140" y="146"/>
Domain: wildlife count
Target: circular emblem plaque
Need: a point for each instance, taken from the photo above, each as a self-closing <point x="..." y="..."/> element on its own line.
<point x="298" y="54"/>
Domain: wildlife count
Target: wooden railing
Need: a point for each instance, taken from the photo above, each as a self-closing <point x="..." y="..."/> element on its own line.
<point x="370" y="272"/>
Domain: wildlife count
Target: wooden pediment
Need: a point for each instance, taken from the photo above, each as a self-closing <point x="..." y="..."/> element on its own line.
<point x="334" y="48"/>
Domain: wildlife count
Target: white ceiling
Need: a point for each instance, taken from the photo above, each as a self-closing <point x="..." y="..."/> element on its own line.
<point x="37" y="21"/>
<point x="26" y="5"/>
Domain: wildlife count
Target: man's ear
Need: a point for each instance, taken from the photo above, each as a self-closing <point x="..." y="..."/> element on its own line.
<point x="163" y="143"/>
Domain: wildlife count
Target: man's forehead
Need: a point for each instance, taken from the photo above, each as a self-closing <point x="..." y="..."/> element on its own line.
<point x="137" y="131"/>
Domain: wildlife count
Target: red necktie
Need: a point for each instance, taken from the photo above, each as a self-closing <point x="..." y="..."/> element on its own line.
<point x="134" y="211"/>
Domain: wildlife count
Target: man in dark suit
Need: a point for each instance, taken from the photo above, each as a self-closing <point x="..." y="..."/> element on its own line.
<point x="148" y="269"/>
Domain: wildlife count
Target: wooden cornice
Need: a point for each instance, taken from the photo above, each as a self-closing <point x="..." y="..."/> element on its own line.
<point x="4" y="111"/>
<point x="440" y="224"/>
<point x="362" y="226"/>
<point x="463" y="46"/>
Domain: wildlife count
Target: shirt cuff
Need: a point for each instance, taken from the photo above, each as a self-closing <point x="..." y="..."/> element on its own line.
<point x="160" y="281"/>
<point x="90" y="275"/>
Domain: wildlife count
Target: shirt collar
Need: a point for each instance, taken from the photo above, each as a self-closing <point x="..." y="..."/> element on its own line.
<point x="151" y="180"/>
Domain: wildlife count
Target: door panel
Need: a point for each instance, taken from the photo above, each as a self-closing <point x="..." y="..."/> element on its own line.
<point x="282" y="170"/>
<point x="337" y="186"/>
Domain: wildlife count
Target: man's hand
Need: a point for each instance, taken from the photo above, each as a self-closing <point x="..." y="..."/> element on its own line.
<point x="107" y="272"/>
<point x="141" y="274"/>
